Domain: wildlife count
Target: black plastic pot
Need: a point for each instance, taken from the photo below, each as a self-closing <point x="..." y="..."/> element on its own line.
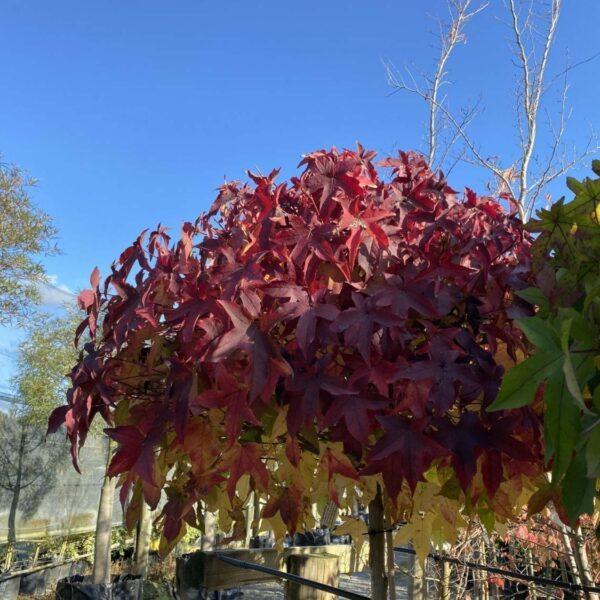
<point x="9" y="587"/>
<point x="39" y="582"/>
<point x="45" y="579"/>
<point x="129" y="587"/>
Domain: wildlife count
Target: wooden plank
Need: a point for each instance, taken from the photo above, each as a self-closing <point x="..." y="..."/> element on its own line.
<point x="323" y="568"/>
<point x="203" y="569"/>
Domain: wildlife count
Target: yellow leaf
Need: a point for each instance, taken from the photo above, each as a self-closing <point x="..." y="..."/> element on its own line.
<point x="279" y="426"/>
<point x="243" y="487"/>
<point x="357" y="528"/>
<point x="418" y="532"/>
<point x="278" y="527"/>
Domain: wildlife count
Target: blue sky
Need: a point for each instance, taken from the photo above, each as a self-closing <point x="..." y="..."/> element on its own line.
<point x="131" y="113"/>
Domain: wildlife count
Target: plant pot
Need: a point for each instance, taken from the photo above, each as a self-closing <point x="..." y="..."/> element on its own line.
<point x="193" y="574"/>
<point x="129" y="587"/>
<point x="9" y="587"/>
<point x="42" y="580"/>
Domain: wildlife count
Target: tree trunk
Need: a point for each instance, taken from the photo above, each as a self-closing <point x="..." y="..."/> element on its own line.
<point x="12" y="515"/>
<point x="391" y="565"/>
<point x="208" y="535"/>
<point x="256" y="514"/>
<point x="569" y="552"/>
<point x="583" y="564"/>
<point x="101" y="570"/>
<point x="531" y="572"/>
<point x="445" y="581"/>
<point x="142" y="541"/>
<point x="379" y="580"/>
<point x="416" y="584"/>
<point x="485" y="590"/>
<point x="494" y="590"/>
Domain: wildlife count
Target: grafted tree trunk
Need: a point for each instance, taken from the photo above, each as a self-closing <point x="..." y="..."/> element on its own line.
<point x="101" y="570"/>
<point x="142" y="541"/>
<point x="379" y="580"/>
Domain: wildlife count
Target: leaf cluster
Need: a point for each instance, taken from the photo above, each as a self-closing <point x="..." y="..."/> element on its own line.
<point x="45" y="358"/>
<point x="309" y="340"/>
<point x="563" y="370"/>
<point x="26" y="233"/>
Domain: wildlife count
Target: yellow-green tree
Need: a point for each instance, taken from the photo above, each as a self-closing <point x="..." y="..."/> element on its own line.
<point x="26" y="234"/>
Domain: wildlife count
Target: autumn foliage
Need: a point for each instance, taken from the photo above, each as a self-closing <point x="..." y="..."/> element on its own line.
<point x="309" y="339"/>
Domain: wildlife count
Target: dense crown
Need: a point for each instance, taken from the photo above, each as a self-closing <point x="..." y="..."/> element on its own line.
<point x="309" y="339"/>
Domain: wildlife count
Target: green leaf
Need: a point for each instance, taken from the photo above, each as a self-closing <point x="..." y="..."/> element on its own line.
<point x="592" y="452"/>
<point x="534" y="296"/>
<point x="575" y="185"/>
<point x="578" y="490"/>
<point x="596" y="398"/>
<point x="571" y="378"/>
<point x="580" y="329"/>
<point x="540" y="333"/>
<point x="562" y="425"/>
<point x="574" y="376"/>
<point x="592" y="293"/>
<point x="521" y="382"/>
<point x="488" y="518"/>
<point x="596" y="167"/>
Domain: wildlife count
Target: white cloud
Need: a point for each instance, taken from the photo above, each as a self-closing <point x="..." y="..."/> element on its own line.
<point x="54" y="293"/>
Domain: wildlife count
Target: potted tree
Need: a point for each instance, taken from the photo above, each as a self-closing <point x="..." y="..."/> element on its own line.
<point x="327" y="338"/>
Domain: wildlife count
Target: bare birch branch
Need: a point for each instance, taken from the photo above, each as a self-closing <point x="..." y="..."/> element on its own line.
<point x="524" y="177"/>
<point x="451" y="34"/>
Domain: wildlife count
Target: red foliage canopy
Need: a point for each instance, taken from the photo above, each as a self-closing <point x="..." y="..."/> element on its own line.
<point x="367" y="313"/>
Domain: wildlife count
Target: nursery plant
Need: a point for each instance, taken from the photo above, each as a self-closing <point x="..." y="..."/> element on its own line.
<point x="338" y="335"/>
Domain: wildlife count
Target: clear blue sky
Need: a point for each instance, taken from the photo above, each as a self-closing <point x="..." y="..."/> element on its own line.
<point x="131" y="113"/>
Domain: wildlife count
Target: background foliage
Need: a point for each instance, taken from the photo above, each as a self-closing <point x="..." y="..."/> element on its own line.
<point x="564" y="368"/>
<point x="26" y="233"/>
